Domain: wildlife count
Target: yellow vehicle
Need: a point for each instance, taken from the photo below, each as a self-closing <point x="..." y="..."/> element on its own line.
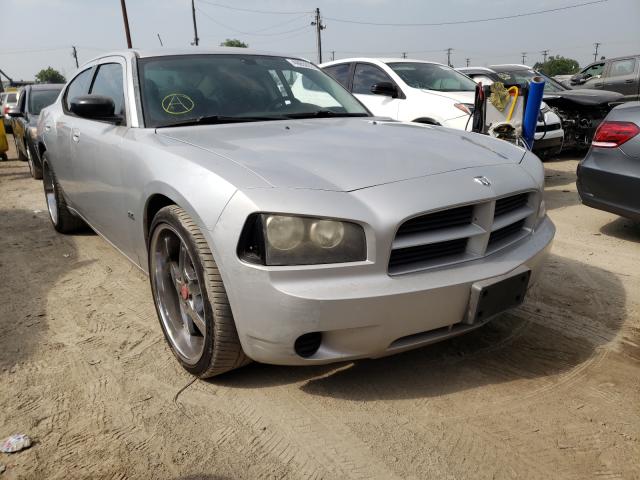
<point x="4" y="145"/>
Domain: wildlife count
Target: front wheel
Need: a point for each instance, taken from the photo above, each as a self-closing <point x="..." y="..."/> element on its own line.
<point x="190" y="297"/>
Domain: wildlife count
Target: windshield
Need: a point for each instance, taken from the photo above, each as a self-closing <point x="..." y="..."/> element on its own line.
<point x="40" y="99"/>
<point x="525" y="76"/>
<point x="431" y="76"/>
<point x="191" y="89"/>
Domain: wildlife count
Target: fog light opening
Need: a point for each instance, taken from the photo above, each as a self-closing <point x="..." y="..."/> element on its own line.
<point x="308" y="344"/>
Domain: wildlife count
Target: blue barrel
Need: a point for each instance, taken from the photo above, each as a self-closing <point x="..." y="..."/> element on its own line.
<point x="532" y="110"/>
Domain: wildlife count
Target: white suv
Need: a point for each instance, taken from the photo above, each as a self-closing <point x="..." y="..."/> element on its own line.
<point x="408" y="90"/>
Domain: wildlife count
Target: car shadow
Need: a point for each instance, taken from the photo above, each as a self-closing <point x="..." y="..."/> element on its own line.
<point x="554" y="332"/>
<point x="623" y="229"/>
<point x="29" y="267"/>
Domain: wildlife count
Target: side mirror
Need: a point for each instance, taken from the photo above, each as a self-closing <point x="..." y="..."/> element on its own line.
<point x="15" y="113"/>
<point x="387" y="89"/>
<point x="577" y="79"/>
<point x="95" y="107"/>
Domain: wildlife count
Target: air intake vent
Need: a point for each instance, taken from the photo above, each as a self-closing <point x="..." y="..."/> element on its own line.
<point x="506" y="232"/>
<point x="437" y="220"/>
<point x="510" y="204"/>
<point x="424" y="253"/>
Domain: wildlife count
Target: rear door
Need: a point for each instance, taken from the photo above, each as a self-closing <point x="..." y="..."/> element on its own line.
<point x="622" y="76"/>
<point x="97" y="158"/>
<point x="365" y="76"/>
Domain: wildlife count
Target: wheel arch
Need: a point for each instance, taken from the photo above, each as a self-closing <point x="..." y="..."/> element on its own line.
<point x="426" y="121"/>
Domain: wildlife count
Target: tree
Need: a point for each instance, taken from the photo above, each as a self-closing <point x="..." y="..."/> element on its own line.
<point x="558" y="65"/>
<point x="234" y="42"/>
<point x="49" y="75"/>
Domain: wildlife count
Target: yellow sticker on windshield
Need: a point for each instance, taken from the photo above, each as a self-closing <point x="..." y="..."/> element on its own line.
<point x="177" y="104"/>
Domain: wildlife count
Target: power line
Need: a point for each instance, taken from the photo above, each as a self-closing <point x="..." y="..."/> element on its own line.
<point x="266" y="12"/>
<point x="206" y="15"/>
<point x="460" y="22"/>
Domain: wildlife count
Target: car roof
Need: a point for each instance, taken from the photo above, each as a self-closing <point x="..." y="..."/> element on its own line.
<point x="510" y="67"/>
<point x="46" y="86"/>
<point x="169" y="52"/>
<point x="378" y="60"/>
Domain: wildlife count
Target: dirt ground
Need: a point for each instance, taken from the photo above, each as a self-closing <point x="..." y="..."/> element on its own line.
<point x="549" y="391"/>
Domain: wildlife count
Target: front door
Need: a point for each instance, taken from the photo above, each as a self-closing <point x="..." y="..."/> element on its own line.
<point x="364" y="77"/>
<point x="97" y="160"/>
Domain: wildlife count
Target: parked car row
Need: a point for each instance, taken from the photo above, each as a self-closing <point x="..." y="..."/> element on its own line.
<point x="621" y="74"/>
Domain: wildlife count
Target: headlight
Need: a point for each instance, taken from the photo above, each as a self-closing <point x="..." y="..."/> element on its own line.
<point x="271" y="239"/>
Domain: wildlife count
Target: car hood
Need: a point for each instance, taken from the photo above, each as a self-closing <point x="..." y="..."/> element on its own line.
<point x="584" y="96"/>
<point x="345" y="154"/>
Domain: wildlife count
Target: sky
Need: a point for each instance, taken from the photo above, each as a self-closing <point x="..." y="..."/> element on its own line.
<point x="35" y="34"/>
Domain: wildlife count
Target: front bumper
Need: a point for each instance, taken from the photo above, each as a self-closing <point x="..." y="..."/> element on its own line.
<point x="605" y="182"/>
<point x="364" y="316"/>
<point x="360" y="309"/>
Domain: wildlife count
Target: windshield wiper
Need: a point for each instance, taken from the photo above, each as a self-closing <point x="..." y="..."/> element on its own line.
<point x="324" y="114"/>
<point x="218" y="119"/>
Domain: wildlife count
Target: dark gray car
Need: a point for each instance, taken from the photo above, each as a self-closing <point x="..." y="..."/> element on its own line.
<point x="609" y="176"/>
<point x="620" y="75"/>
<point x="33" y="98"/>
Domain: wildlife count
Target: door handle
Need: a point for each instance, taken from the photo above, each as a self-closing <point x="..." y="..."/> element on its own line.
<point x="47" y="128"/>
<point x="75" y="135"/>
<point x="628" y="81"/>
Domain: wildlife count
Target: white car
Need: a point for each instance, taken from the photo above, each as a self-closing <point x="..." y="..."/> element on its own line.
<point x="408" y="90"/>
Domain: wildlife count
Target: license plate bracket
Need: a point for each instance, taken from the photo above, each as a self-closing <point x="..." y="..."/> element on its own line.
<point x="497" y="294"/>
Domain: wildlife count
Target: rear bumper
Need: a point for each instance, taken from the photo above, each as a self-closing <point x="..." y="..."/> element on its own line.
<point x="603" y="188"/>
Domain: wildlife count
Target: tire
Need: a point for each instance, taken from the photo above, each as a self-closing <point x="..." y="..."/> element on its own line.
<point x="61" y="217"/>
<point x="184" y="278"/>
<point x="21" y="156"/>
<point x="34" y="163"/>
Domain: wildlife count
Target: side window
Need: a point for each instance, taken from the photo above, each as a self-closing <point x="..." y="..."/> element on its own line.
<point x="340" y="73"/>
<point x="109" y="82"/>
<point x="594" y="70"/>
<point x="77" y="87"/>
<point x="622" y="67"/>
<point x="22" y="102"/>
<point x="366" y="76"/>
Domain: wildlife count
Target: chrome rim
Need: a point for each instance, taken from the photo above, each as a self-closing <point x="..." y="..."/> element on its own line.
<point x="178" y="294"/>
<point x="50" y="195"/>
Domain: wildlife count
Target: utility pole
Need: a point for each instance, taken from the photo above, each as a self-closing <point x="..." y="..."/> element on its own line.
<point x="468" y="61"/>
<point x="544" y="55"/>
<point x="333" y="54"/>
<point x="595" y="54"/>
<point x="160" y="40"/>
<point x="449" y="56"/>
<point x="74" y="54"/>
<point x="524" y="57"/>
<point x="196" y="40"/>
<point x="404" y="54"/>
<point x="125" y="18"/>
<point x="319" y="27"/>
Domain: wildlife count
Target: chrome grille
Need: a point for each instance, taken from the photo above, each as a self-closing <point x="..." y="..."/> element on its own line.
<point x="462" y="233"/>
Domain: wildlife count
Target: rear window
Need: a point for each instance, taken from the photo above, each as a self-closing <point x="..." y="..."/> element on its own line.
<point x="11" y="98"/>
<point x="40" y="99"/>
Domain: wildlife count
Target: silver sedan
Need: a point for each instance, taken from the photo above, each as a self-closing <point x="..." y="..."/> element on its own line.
<point x="277" y="219"/>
